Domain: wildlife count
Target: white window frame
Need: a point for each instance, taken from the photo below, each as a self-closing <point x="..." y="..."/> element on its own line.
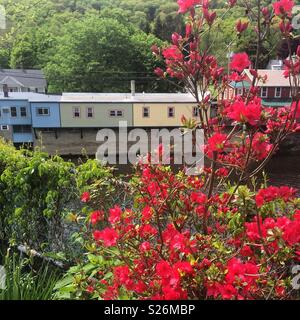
<point x="88" y="112"/>
<point x="24" y="109"/>
<point x="116" y="113"/>
<point x="280" y="91"/>
<point x="173" y="111"/>
<point x="43" y="114"/>
<point x="76" y="110"/>
<point x="262" y="91"/>
<point x="147" y="109"/>
<point x="11" y="112"/>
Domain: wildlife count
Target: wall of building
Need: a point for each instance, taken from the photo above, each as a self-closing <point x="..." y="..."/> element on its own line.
<point x="7" y="119"/>
<point x="101" y="116"/>
<point x="158" y="114"/>
<point x="52" y="120"/>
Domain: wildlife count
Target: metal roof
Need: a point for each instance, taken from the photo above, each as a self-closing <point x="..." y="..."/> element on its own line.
<point x="31" y="97"/>
<point x="23" y="77"/>
<point x="275" y="78"/>
<point x="102" y="97"/>
<point x="129" y="98"/>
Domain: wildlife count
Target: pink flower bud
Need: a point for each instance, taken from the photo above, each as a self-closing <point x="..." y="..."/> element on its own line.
<point x="232" y="3"/>
<point x="266" y="13"/>
<point x="285" y="27"/>
<point x="298" y="51"/>
<point x="241" y="26"/>
<point x="159" y="72"/>
<point x="254" y="73"/>
<point x="188" y="30"/>
<point x="175" y="38"/>
<point x="155" y="50"/>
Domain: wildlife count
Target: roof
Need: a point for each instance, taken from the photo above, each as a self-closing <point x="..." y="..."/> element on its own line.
<point x="240" y="84"/>
<point x="23" y="77"/>
<point x="129" y="98"/>
<point x="30" y="96"/>
<point x="102" y="97"/>
<point x="275" y="78"/>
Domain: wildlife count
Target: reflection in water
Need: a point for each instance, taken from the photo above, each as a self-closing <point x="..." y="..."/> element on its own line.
<point x="284" y="170"/>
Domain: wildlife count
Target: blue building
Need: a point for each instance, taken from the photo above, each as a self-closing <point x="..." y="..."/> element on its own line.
<point x="21" y="113"/>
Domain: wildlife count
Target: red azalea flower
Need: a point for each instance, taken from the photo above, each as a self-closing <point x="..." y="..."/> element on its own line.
<point x="173" y="53"/>
<point x="217" y="142"/>
<point x="85" y="197"/>
<point x="96" y="216"/>
<point x="292" y="233"/>
<point x="109" y="236"/>
<point x="240" y="61"/>
<point x="115" y="215"/>
<point x="283" y="7"/>
<point x="240" y="112"/>
<point x="147" y="213"/>
<point x="186" y="5"/>
<point x="295" y="110"/>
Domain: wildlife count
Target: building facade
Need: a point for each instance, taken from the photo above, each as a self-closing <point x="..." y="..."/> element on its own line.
<point x="23" y="80"/>
<point x="68" y="124"/>
<point x="274" y="90"/>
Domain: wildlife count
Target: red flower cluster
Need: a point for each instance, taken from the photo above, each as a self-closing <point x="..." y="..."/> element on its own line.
<point x="186" y="5"/>
<point x="283" y="7"/>
<point x="240" y="62"/>
<point x="250" y="113"/>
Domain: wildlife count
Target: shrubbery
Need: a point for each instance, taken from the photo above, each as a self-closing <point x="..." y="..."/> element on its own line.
<point x="38" y="192"/>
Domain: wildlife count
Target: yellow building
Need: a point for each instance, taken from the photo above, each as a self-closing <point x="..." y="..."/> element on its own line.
<point x="162" y="110"/>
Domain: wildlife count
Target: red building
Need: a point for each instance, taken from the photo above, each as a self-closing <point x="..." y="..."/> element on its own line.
<point x="274" y="91"/>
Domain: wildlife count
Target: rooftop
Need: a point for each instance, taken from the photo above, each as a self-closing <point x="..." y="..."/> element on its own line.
<point x="128" y="97"/>
<point x="23" y="77"/>
<point x="275" y="78"/>
<point x="31" y="96"/>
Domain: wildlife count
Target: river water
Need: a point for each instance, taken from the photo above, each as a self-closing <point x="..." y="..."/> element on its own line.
<point x="284" y="170"/>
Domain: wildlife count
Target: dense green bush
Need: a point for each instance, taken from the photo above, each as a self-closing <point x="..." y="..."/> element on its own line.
<point x="37" y="192"/>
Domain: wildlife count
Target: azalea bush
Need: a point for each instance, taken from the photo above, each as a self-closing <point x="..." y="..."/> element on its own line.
<point x="222" y="234"/>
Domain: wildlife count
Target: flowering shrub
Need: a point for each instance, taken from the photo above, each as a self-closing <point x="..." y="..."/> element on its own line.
<point x="158" y="249"/>
<point x="204" y="237"/>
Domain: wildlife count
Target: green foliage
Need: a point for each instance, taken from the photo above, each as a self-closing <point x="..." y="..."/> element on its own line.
<point x="23" y="282"/>
<point x="36" y="193"/>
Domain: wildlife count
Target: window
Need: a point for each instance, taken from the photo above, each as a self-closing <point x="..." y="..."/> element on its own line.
<point x="239" y="92"/>
<point x="23" y="112"/>
<point x="42" y="112"/>
<point x="21" y="129"/>
<point x="4" y="128"/>
<point x="90" y="112"/>
<point x="171" y="112"/>
<point x="278" y="92"/>
<point x="76" y="112"/>
<point x="291" y="92"/>
<point x="116" y="113"/>
<point x="264" y="92"/>
<point x="146" y="112"/>
<point x="195" y="111"/>
<point x="13" y="112"/>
